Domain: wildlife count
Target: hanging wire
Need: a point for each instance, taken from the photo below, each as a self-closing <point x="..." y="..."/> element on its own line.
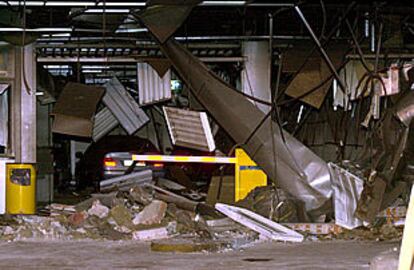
<point x="26" y="84"/>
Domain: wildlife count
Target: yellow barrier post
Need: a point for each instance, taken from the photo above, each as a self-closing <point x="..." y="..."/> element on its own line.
<point x="247" y="175"/>
<point x="20" y="189"/>
<point x="407" y="245"/>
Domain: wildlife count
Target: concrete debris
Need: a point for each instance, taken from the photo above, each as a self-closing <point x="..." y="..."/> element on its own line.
<point x="78" y="218"/>
<point x="139" y="195"/>
<point x="99" y="210"/>
<point x="156" y="233"/>
<point x="151" y="214"/>
<point x="315" y="228"/>
<point x="271" y="203"/>
<point x="61" y="208"/>
<point x="188" y="223"/>
<point x="121" y="216"/>
<point x="174" y="223"/>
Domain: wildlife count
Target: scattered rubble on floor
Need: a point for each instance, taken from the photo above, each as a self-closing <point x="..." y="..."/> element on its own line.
<point x="171" y="222"/>
<point x="142" y="213"/>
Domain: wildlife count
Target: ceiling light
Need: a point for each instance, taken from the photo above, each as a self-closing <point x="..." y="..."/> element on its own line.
<point x="223" y="3"/>
<point x="101" y="10"/>
<point x="17" y="29"/>
<point x="131" y="30"/>
<point x="122" y="4"/>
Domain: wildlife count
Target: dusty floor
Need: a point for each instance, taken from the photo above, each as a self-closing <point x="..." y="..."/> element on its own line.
<point x="133" y="255"/>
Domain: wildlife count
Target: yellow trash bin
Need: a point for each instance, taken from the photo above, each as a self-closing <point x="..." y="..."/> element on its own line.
<point x="20" y="189"/>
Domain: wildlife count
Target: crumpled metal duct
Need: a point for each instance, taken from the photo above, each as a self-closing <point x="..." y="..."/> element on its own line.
<point x="295" y="168"/>
<point x="404" y="109"/>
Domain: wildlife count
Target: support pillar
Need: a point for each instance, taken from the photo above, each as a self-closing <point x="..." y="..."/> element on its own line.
<point x="255" y="75"/>
<point x="24" y="105"/>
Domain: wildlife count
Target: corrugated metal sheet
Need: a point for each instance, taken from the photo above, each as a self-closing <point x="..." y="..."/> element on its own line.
<point x="347" y="191"/>
<point x="151" y="87"/>
<point x="104" y="122"/>
<point x="124" y="107"/>
<point x="189" y="129"/>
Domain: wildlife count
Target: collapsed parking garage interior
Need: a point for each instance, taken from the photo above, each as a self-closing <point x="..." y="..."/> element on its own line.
<point x="171" y="134"/>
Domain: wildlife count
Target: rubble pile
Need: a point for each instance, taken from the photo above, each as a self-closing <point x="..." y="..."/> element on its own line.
<point x="121" y="215"/>
<point x="147" y="212"/>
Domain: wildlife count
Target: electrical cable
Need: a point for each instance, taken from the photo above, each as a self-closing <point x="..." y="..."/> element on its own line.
<point x="26" y="84"/>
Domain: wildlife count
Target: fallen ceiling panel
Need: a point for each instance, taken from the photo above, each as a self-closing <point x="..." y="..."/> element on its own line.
<point x="104" y="122"/>
<point x="75" y="109"/>
<point x="313" y="73"/>
<point x="124" y="107"/>
<point x="152" y="88"/>
<point x="189" y="129"/>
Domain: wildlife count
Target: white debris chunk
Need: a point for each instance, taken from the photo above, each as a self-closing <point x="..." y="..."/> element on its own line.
<point x="98" y="209"/>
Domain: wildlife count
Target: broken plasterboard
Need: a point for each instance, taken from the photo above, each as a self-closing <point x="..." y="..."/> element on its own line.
<point x="75" y="109"/>
<point x="189" y="129"/>
<point x="266" y="227"/>
<point x="124" y="107"/>
<point x="313" y="73"/>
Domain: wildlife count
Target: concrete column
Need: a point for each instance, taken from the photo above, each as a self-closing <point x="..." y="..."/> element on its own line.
<point x="256" y="72"/>
<point x="24" y="105"/>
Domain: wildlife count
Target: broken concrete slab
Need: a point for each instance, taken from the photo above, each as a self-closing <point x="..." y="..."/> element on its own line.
<point x="155" y="233"/>
<point x="267" y="228"/>
<point x="121" y="216"/>
<point x="151" y="214"/>
<point x="141" y="195"/>
<point x="98" y="209"/>
<point x="78" y="218"/>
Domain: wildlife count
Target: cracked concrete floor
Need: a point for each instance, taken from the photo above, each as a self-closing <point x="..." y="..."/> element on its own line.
<point x="137" y="255"/>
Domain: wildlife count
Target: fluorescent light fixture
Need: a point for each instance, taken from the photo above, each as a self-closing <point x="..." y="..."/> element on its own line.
<point x="17" y="29"/>
<point x="130" y="4"/>
<point x="122" y="4"/>
<point x="223" y="3"/>
<point x="95" y="67"/>
<point x="111" y="10"/>
<point x="18" y="3"/>
<point x="131" y="30"/>
<point x="56" y="66"/>
<point x="91" y="71"/>
<point x="68" y="3"/>
<point x="56" y="35"/>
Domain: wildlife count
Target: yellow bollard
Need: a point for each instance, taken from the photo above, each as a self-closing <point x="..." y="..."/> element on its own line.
<point x="247" y="175"/>
<point x="407" y="245"/>
<point x="20" y="189"/>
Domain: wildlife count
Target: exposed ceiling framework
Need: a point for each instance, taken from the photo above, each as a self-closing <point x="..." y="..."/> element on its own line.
<point x="104" y="32"/>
